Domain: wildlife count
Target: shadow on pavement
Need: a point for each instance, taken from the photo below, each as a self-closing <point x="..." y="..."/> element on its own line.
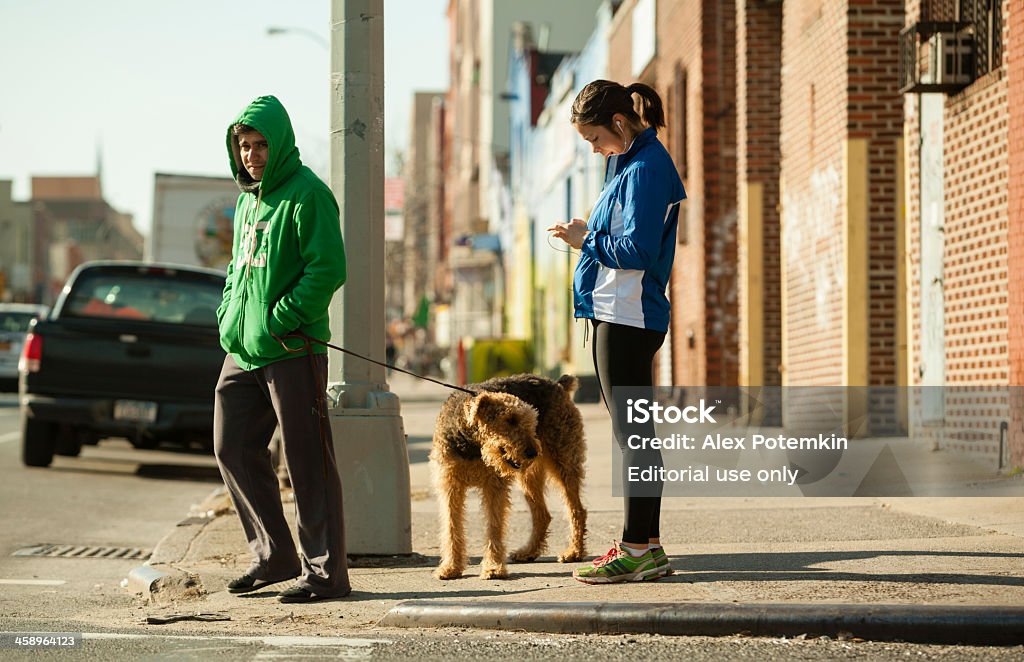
<point x="179" y="472"/>
<point x="800" y="567"/>
<point x="155" y="471"/>
<point x="375" y="596"/>
<point x="418" y="449"/>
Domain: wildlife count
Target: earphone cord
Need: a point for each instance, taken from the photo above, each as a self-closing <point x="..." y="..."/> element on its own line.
<point x="560" y="250"/>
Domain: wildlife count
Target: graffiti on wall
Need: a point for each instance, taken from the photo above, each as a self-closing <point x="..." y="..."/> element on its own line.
<point x="813" y="251"/>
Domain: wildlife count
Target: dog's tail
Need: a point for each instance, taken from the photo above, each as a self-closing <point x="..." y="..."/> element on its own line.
<point x="569" y="384"/>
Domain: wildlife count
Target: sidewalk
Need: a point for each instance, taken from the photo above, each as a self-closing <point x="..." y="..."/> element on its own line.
<point x="935" y="570"/>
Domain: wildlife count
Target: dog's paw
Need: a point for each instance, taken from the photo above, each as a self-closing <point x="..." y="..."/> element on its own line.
<point x="523" y="556"/>
<point x="571" y="556"/>
<point x="448" y="572"/>
<point x="494" y="572"/>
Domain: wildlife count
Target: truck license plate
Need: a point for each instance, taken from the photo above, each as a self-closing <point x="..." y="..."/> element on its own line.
<point x="134" y="410"/>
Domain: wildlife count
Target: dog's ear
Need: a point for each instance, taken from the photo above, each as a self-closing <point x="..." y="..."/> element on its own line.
<point x="485" y="405"/>
<point x="569" y="384"/>
<point x="470" y="409"/>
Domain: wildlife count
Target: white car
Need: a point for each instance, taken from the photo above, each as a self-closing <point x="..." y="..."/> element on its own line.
<point x="14" y="322"/>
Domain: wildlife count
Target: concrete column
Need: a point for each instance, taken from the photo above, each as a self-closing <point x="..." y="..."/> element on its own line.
<point x="751" y="249"/>
<point x="366" y="422"/>
<point x="855" y="295"/>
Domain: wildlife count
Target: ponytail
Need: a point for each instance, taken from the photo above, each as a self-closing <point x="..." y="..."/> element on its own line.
<point x="599" y="100"/>
<point x="653" y="113"/>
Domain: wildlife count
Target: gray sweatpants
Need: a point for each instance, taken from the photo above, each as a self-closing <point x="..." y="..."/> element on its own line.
<point x="248" y="406"/>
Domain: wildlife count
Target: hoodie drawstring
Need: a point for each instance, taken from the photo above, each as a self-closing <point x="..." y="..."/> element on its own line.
<point x="252" y="235"/>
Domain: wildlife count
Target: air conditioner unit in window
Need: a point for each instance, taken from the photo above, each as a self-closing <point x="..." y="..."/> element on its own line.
<point x="936" y="58"/>
<point x="950" y="59"/>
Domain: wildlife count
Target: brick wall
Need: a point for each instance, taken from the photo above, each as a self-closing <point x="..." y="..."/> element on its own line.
<point x="759" y="61"/>
<point x="699" y="39"/>
<point x="720" y="245"/>
<point x="840" y="83"/>
<point x="813" y="129"/>
<point x="620" y="44"/>
<point x="687" y="284"/>
<point x="975" y="271"/>
<point x="681" y="49"/>
<point x="875" y="113"/>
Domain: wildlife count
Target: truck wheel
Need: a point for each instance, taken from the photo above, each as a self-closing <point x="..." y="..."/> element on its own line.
<point x="38" y="441"/>
<point x="144" y="442"/>
<point x="69" y="443"/>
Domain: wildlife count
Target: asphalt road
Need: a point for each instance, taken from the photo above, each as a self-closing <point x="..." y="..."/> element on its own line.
<point x="112" y="496"/>
<point x="484" y="645"/>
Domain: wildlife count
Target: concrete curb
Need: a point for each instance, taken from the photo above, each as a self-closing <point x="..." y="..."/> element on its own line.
<point x="142" y="578"/>
<point x="938" y="624"/>
<point x="158" y="576"/>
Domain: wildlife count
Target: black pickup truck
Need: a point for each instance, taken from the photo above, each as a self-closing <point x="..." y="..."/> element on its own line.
<point x="130" y="350"/>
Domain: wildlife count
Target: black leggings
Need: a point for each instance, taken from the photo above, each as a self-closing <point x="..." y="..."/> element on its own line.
<point x="624" y="356"/>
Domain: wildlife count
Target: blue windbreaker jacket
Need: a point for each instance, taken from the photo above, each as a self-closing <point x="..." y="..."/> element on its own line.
<point x="627" y="255"/>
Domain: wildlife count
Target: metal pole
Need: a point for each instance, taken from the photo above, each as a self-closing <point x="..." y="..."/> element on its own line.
<point x="366" y="423"/>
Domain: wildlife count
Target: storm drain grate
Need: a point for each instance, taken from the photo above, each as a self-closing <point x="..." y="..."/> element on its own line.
<point x="83" y="552"/>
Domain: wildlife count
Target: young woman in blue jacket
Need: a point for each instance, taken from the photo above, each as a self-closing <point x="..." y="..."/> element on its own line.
<point x="626" y="251"/>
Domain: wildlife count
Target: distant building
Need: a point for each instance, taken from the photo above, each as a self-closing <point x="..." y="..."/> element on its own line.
<point x="80" y="225"/>
<point x="394" y="249"/>
<point x="553" y="177"/>
<point x="424" y="190"/>
<point x="16" y="248"/>
<point x="477" y="135"/>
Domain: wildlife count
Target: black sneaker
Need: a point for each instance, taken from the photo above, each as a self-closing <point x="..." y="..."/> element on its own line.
<point x="247" y="583"/>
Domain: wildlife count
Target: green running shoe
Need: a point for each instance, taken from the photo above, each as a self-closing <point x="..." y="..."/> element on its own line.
<point x="617" y="566"/>
<point x="661" y="561"/>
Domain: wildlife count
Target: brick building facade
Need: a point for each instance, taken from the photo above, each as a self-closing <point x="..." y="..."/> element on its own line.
<point x="964" y="279"/>
<point x="835" y="278"/>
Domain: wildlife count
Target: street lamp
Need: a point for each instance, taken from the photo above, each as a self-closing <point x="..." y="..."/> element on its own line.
<point x="277" y="30"/>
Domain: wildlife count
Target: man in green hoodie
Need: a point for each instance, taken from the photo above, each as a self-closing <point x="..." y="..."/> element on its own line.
<point x="288" y="259"/>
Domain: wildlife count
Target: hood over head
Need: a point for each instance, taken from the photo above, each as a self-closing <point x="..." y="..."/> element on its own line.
<point x="267" y="115"/>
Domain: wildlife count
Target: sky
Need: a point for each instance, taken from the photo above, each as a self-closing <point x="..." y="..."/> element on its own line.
<point x="143" y="86"/>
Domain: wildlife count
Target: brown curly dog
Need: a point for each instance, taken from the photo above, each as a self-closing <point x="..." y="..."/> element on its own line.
<point x="524" y="428"/>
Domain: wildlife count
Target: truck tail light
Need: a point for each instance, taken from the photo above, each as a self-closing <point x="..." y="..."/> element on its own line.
<point x="32" y="354"/>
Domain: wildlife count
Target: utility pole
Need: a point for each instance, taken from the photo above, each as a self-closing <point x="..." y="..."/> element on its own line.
<point x="369" y="438"/>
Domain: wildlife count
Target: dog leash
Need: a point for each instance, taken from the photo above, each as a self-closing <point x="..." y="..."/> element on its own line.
<point x="307" y="340"/>
<point x="320" y="404"/>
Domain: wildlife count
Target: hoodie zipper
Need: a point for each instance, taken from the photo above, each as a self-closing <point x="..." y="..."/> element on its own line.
<point x="248" y="264"/>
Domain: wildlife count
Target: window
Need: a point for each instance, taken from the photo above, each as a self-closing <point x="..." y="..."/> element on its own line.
<point x="15" y="322"/>
<point x="985" y="17"/>
<point x="146" y="298"/>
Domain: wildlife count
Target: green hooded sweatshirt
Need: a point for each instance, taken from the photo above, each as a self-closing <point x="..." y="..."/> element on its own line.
<point x="288" y="257"/>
